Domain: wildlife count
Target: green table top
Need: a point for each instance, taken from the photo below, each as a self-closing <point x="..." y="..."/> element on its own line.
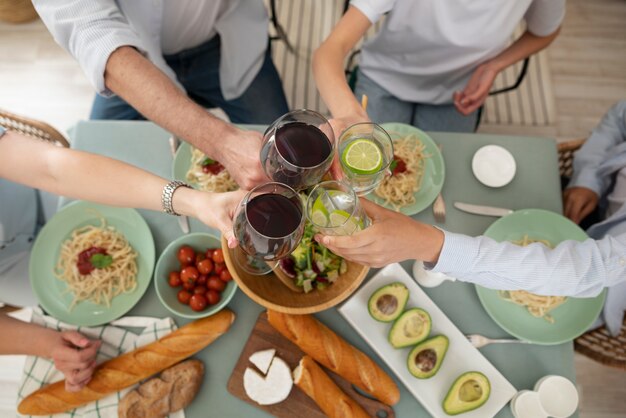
<point x="536" y="185"/>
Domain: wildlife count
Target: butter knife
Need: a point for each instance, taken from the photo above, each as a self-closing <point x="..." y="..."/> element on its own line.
<point x="183" y="221"/>
<point x="482" y="210"/>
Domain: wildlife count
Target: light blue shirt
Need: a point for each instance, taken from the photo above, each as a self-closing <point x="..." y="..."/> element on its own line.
<point x="572" y="268"/>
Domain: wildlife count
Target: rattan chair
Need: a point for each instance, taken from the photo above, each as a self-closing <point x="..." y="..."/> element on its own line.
<point x="32" y="127"/>
<point x="596" y="344"/>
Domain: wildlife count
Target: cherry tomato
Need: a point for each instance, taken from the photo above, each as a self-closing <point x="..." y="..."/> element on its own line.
<point x="189" y="273"/>
<point x="218" y="256"/>
<point x="225" y="276"/>
<point x="184" y="296"/>
<point x="212" y="296"/>
<point x="202" y="280"/>
<point x="205" y="266"/>
<point x="199" y="258"/>
<point x="174" y="279"/>
<point x="219" y="268"/>
<point x="186" y="255"/>
<point x="215" y="283"/>
<point x="200" y="289"/>
<point x="190" y="285"/>
<point x="198" y="302"/>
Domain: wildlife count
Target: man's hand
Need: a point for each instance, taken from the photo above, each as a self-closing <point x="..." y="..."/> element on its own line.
<point x="476" y="91"/>
<point x="74" y="355"/>
<point x="579" y="202"/>
<point x="239" y="151"/>
<point x="391" y="238"/>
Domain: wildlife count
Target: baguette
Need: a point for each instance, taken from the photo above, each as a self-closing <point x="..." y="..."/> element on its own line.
<point x="128" y="369"/>
<point x="332" y="351"/>
<point x="313" y="381"/>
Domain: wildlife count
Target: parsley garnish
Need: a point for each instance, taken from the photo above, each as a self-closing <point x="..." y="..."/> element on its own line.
<point x="101" y="261"/>
<point x="208" y="161"/>
<point x="393" y="165"/>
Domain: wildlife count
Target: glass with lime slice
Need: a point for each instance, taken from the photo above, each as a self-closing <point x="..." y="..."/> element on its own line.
<point x="333" y="208"/>
<point x="365" y="153"/>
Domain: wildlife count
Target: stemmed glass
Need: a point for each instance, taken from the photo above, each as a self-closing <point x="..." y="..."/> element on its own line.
<point x="333" y="208"/>
<point x="365" y="154"/>
<point x="298" y="149"/>
<point x="269" y="223"/>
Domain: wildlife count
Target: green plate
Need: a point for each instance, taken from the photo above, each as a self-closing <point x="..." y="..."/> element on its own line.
<point x="50" y="291"/>
<point x="574" y="316"/>
<point x="182" y="161"/>
<point x="434" y="173"/>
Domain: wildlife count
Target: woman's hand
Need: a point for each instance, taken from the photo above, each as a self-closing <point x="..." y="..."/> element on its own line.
<point x="391" y="238"/>
<point x="74" y="355"/>
<point x="579" y="202"/>
<point x="239" y="153"/>
<point x="217" y="211"/>
<point x="477" y="89"/>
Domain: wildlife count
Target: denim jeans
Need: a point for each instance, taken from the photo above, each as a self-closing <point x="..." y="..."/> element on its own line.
<point x="197" y="69"/>
<point x="384" y="107"/>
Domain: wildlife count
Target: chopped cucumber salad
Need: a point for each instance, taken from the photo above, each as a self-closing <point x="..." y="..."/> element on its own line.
<point x="311" y="265"/>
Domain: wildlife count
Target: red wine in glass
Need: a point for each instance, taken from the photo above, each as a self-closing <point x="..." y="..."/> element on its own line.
<point x="269" y="225"/>
<point x="298" y="149"/>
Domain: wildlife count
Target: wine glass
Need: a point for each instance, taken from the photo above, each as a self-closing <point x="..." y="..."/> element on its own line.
<point x="269" y="223"/>
<point x="333" y="208"/>
<point x="298" y="149"/>
<point x="365" y="154"/>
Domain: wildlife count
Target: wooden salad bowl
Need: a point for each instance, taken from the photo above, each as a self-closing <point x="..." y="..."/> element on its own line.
<point x="270" y="292"/>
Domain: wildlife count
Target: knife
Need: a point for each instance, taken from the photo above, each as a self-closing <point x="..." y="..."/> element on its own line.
<point x="482" y="210"/>
<point x="183" y="221"/>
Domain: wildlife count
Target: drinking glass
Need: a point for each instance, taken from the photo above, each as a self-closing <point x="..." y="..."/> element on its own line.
<point x="269" y="223"/>
<point x="298" y="149"/>
<point x="333" y="208"/>
<point x="365" y="154"/>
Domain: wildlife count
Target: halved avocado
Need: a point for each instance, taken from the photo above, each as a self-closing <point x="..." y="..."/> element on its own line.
<point x="468" y="392"/>
<point x="388" y="302"/>
<point x="425" y="359"/>
<point x="412" y="327"/>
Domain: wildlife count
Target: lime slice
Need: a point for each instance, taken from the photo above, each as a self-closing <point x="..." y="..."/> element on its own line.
<point x="343" y="222"/>
<point x="362" y="156"/>
<point x="319" y="218"/>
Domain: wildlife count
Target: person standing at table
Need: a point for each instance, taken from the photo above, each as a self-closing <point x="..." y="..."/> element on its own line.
<point x="572" y="268"/>
<point x="432" y="63"/>
<point x="26" y="161"/>
<point x="142" y="57"/>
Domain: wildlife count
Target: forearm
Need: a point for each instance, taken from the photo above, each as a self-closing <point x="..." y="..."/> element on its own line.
<point x="570" y="269"/>
<point x="523" y="47"/>
<point x="20" y="337"/>
<point x="154" y="95"/>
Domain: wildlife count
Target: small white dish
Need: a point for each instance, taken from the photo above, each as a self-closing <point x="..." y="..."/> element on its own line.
<point x="558" y="396"/>
<point x="427" y="278"/>
<point x="526" y="404"/>
<point x="494" y="166"/>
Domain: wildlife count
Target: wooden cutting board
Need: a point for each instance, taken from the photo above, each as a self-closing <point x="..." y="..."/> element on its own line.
<point x="298" y="404"/>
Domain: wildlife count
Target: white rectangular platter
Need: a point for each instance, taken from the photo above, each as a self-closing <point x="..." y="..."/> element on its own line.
<point x="461" y="356"/>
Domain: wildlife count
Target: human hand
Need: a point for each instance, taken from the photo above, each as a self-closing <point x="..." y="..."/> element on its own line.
<point x="239" y="153"/>
<point x="477" y="89"/>
<point x="391" y="238"/>
<point x="579" y="202"/>
<point x="74" y="355"/>
<point x="217" y="210"/>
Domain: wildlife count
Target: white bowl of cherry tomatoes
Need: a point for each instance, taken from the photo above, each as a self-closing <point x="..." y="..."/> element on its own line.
<point x="191" y="277"/>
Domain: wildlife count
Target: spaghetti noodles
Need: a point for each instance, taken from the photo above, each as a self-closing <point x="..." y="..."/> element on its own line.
<point x="209" y="182"/>
<point x="538" y="306"/>
<point x="399" y="189"/>
<point x="101" y="285"/>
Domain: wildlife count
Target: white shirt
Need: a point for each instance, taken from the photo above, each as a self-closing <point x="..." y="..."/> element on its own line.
<point x="427" y="49"/>
<point x="188" y="23"/>
<point x="91" y="30"/>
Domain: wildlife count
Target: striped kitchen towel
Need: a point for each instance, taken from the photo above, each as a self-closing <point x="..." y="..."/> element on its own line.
<point x="116" y="339"/>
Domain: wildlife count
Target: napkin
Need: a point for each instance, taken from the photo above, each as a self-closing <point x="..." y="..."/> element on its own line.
<point x="116" y="340"/>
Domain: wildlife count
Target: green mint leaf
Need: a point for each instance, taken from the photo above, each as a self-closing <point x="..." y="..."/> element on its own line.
<point x="207" y="161"/>
<point x="393" y="165"/>
<point x="101" y="261"/>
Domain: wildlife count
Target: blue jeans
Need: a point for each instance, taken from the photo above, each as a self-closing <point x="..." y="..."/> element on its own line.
<point x="385" y="107"/>
<point x="197" y="69"/>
